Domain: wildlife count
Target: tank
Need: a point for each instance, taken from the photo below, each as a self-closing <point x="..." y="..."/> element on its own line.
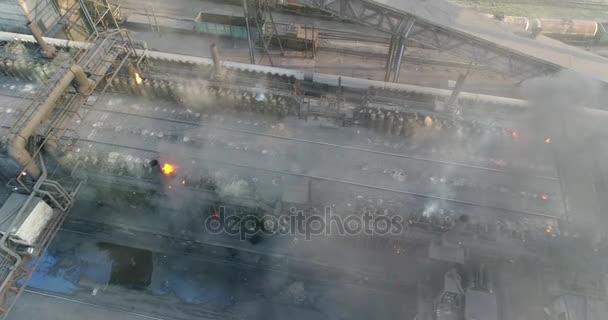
<point x="558" y="28"/>
<point x="555" y="28"/>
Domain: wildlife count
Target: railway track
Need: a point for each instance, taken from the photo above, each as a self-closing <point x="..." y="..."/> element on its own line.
<point x="512" y="167"/>
<point x="71" y="300"/>
<point x="187" y="157"/>
<point x="317" y="143"/>
<point x="202" y="256"/>
<point x="357" y="165"/>
<point x="344" y="150"/>
<point x="306" y="268"/>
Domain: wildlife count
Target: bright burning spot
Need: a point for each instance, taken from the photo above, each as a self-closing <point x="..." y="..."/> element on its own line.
<point x="544" y="197"/>
<point x="138" y="78"/>
<point x="515" y="134"/>
<point x="168" y="169"/>
<point x="548" y="141"/>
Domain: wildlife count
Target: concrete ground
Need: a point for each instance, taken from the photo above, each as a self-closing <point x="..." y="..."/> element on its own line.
<point x="33" y="304"/>
<point x="79" y="278"/>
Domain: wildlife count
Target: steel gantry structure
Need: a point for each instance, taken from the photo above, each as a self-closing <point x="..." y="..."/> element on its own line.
<point x="411" y="29"/>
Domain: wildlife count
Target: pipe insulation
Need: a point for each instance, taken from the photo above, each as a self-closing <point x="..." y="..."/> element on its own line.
<point x="18" y="142"/>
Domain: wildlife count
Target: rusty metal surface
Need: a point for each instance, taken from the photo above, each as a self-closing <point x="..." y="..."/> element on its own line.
<point x="563" y="27"/>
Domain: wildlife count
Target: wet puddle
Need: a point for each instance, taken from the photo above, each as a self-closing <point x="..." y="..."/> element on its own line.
<point x="131" y="267"/>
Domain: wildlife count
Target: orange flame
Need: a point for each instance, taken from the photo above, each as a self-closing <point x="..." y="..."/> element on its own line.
<point x="168" y="169"/>
<point x="548" y="141"/>
<point x="138" y="78"/>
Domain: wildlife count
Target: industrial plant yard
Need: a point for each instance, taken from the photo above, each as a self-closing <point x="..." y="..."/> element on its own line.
<point x="337" y="159"/>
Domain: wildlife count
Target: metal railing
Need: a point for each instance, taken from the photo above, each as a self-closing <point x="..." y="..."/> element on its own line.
<point x="102" y="59"/>
<point x="17" y="267"/>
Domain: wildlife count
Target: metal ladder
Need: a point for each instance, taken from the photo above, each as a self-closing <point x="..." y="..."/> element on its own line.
<point x="151" y="14"/>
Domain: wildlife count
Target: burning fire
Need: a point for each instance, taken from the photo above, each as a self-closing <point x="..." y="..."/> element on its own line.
<point x="548" y="141"/>
<point x="168" y="169"/>
<point x="138" y="78"/>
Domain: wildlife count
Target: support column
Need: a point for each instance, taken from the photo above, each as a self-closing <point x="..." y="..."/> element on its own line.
<point x="457" y="89"/>
<point x="251" y="47"/>
<point x="397" y="50"/>
<point x="47" y="50"/>
<point x="218" y="69"/>
<point x="390" y="61"/>
<point x="400" y="54"/>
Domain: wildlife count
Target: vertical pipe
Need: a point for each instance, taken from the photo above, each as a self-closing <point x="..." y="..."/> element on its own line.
<point x="218" y="70"/>
<point x="390" y="60"/>
<point x="314" y="43"/>
<point x="389" y="124"/>
<point x="47" y="50"/>
<point x="372" y="121"/>
<point x="251" y="49"/>
<point x="457" y="89"/>
<point x="399" y="59"/>
<point x="390" y="50"/>
<point x="399" y="127"/>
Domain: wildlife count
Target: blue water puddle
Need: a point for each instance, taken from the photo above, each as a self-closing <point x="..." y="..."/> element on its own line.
<point x="62" y="272"/>
<point x="48" y="277"/>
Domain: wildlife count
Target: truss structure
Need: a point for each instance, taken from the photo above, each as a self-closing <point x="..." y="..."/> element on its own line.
<point x="259" y="13"/>
<point x="410" y="29"/>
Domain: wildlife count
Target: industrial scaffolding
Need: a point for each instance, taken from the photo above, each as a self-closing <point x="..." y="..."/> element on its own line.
<point x="57" y="186"/>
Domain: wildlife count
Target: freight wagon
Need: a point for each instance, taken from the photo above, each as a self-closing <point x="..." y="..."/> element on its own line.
<point x="223" y="25"/>
<point x="567" y="30"/>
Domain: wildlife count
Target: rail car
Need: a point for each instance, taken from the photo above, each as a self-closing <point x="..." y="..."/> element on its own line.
<point x="234" y="26"/>
<point x="222" y="25"/>
<point x="567" y="30"/>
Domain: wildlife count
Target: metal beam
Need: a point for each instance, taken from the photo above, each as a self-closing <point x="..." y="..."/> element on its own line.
<point x="427" y="35"/>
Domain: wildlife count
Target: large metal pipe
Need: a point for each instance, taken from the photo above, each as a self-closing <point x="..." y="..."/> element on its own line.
<point x="46" y="50"/>
<point x="251" y="47"/>
<point x="17" y="147"/>
<point x="399" y="60"/>
<point x="215" y="55"/>
<point x="218" y="70"/>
